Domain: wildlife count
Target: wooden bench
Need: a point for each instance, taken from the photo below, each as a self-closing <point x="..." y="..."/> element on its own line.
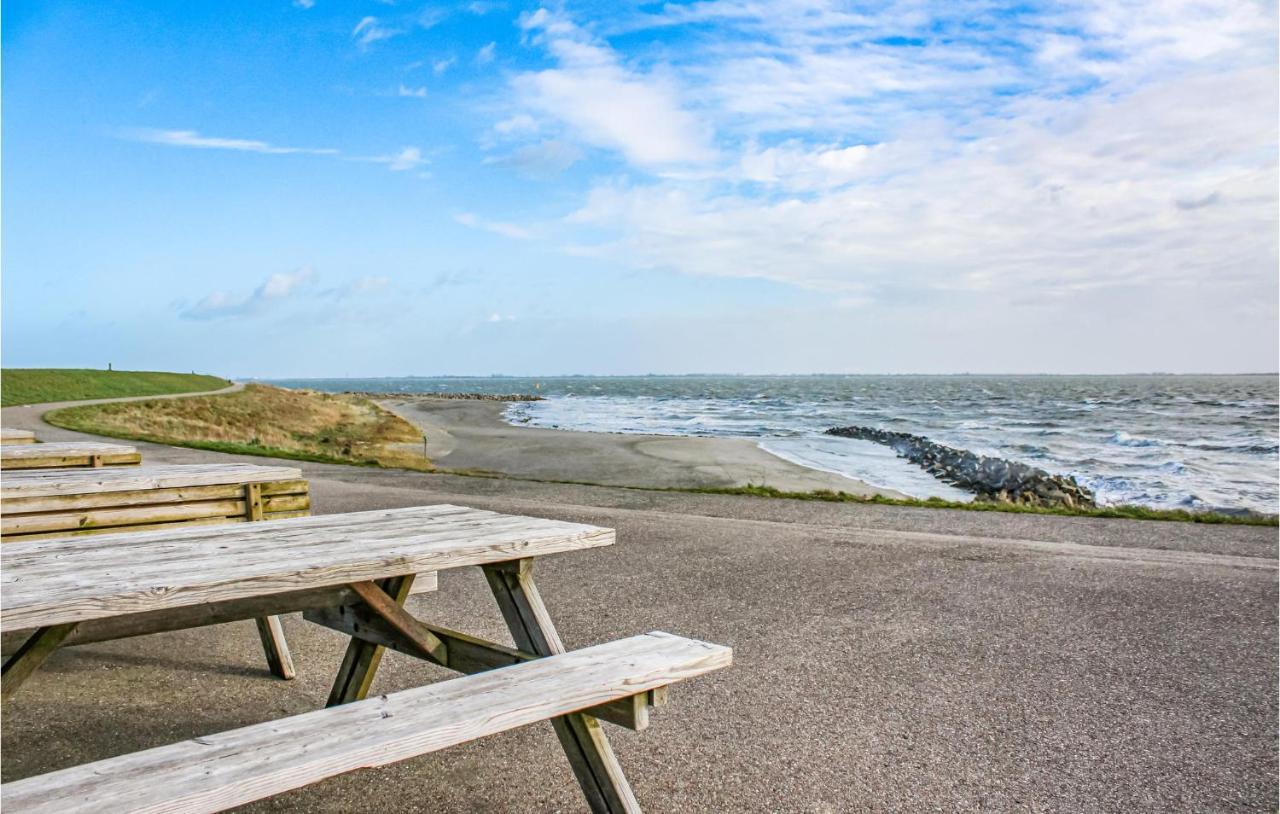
<point x="11" y="436"/>
<point x="352" y="573"/>
<point x="42" y="503"/>
<point x="69" y="502"/>
<point x="217" y="772"/>
<point x="66" y="453"/>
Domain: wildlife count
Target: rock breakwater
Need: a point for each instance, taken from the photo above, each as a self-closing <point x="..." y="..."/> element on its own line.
<point x="991" y="479"/>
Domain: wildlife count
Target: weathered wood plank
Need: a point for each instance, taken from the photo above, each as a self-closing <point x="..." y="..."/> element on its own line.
<point x="28" y="658"/>
<point x="52" y="581"/>
<point x="217" y="772"/>
<point x="584" y="742"/>
<point x="45" y="483"/>
<point x="16" y="524"/>
<point x="271" y="632"/>
<point x="467" y="654"/>
<point x="12" y="436"/>
<point x="147" y="497"/>
<point x="361" y="660"/>
<point x="66" y="453"/>
<point x="189" y="616"/>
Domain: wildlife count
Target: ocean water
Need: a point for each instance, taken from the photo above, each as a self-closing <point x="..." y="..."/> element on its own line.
<point x="1194" y="442"/>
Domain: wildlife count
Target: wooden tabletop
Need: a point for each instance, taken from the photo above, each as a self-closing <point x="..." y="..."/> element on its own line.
<point x="61" y="580"/>
<point x="90" y="480"/>
<point x="12" y="436"/>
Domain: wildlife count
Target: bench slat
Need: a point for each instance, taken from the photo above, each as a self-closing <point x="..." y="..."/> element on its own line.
<point x="66" y="453"/>
<point x="12" y="436"/>
<point x="43" y="483"/>
<point x="59" y="580"/>
<point x="220" y="771"/>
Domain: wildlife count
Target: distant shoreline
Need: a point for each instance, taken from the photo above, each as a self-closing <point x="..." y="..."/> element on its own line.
<point x="471" y="435"/>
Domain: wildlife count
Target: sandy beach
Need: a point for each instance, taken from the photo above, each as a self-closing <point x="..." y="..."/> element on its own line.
<point x="471" y="435"/>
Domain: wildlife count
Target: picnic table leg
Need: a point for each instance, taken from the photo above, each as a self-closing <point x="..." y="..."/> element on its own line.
<point x="274" y="645"/>
<point x="582" y="737"/>
<point x="269" y="628"/>
<point x="28" y="658"/>
<point x="361" y="660"/>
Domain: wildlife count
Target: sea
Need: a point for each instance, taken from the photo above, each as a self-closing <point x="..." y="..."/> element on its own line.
<point x="1161" y="441"/>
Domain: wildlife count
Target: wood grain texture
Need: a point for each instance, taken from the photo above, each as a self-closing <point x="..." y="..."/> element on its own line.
<point x="189" y="616"/>
<point x="59" y="580"/>
<point x="12" y="436"/>
<point x="66" y="453"/>
<point x="466" y="654"/>
<point x="584" y="742"/>
<point x="152" y="476"/>
<point x="232" y="768"/>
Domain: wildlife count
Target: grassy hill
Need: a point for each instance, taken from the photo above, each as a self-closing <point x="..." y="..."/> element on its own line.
<point x="38" y="385"/>
<point x="262" y="420"/>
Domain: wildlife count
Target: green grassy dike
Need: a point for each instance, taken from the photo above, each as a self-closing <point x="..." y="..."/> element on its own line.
<point x="41" y="385"/>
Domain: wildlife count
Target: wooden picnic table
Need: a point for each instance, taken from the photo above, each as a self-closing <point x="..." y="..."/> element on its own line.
<point x="60" y="454"/>
<point x="352" y="573"/>
<point x="12" y="436"/>
<point x="41" y="503"/>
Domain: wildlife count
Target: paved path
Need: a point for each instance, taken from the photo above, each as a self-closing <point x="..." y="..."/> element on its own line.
<point x="29" y="416"/>
<point x="886" y="659"/>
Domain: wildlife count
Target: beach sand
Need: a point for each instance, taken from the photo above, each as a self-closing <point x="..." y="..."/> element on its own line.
<point x="471" y="435"/>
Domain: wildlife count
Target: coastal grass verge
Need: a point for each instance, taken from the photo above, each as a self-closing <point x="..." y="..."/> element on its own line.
<point x="262" y="420"/>
<point x="1129" y="512"/>
<point x="42" y="385"/>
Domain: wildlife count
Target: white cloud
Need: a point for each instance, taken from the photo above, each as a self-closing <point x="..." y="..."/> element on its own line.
<point x="190" y="138"/>
<point x="305" y="4"/>
<point x="517" y="124"/>
<point x="543" y="160"/>
<point x="606" y="104"/>
<point x="370" y="30"/>
<point x="441" y="65"/>
<point x="496" y="317"/>
<point x="485" y="55"/>
<point x="277" y="287"/>
<point x="407" y="158"/>
<point x="1168" y="186"/>
<point x="511" y="230"/>
<point x="414" y="93"/>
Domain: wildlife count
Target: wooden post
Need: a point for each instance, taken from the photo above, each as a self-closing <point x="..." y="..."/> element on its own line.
<point x="270" y="630"/>
<point x="253" y="501"/>
<point x="279" y="661"/>
<point x="583" y="739"/>
<point x="19" y="667"/>
<point x="360" y="663"/>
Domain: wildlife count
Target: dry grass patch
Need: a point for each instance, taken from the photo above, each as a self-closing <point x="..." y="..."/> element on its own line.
<point x="262" y="420"/>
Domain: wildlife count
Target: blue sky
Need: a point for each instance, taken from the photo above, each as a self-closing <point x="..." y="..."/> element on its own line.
<point x="317" y="188"/>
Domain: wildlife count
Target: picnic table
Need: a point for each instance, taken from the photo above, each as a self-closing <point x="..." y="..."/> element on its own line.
<point x="41" y="503"/>
<point x="352" y="573"/>
<point x="12" y="436"/>
<point x="66" y="453"/>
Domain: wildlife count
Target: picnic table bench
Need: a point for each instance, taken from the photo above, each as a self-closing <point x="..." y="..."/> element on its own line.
<point x="12" y="436"/>
<point x="66" y="453"/>
<point x="41" y="503"/>
<point x="352" y="573"/>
